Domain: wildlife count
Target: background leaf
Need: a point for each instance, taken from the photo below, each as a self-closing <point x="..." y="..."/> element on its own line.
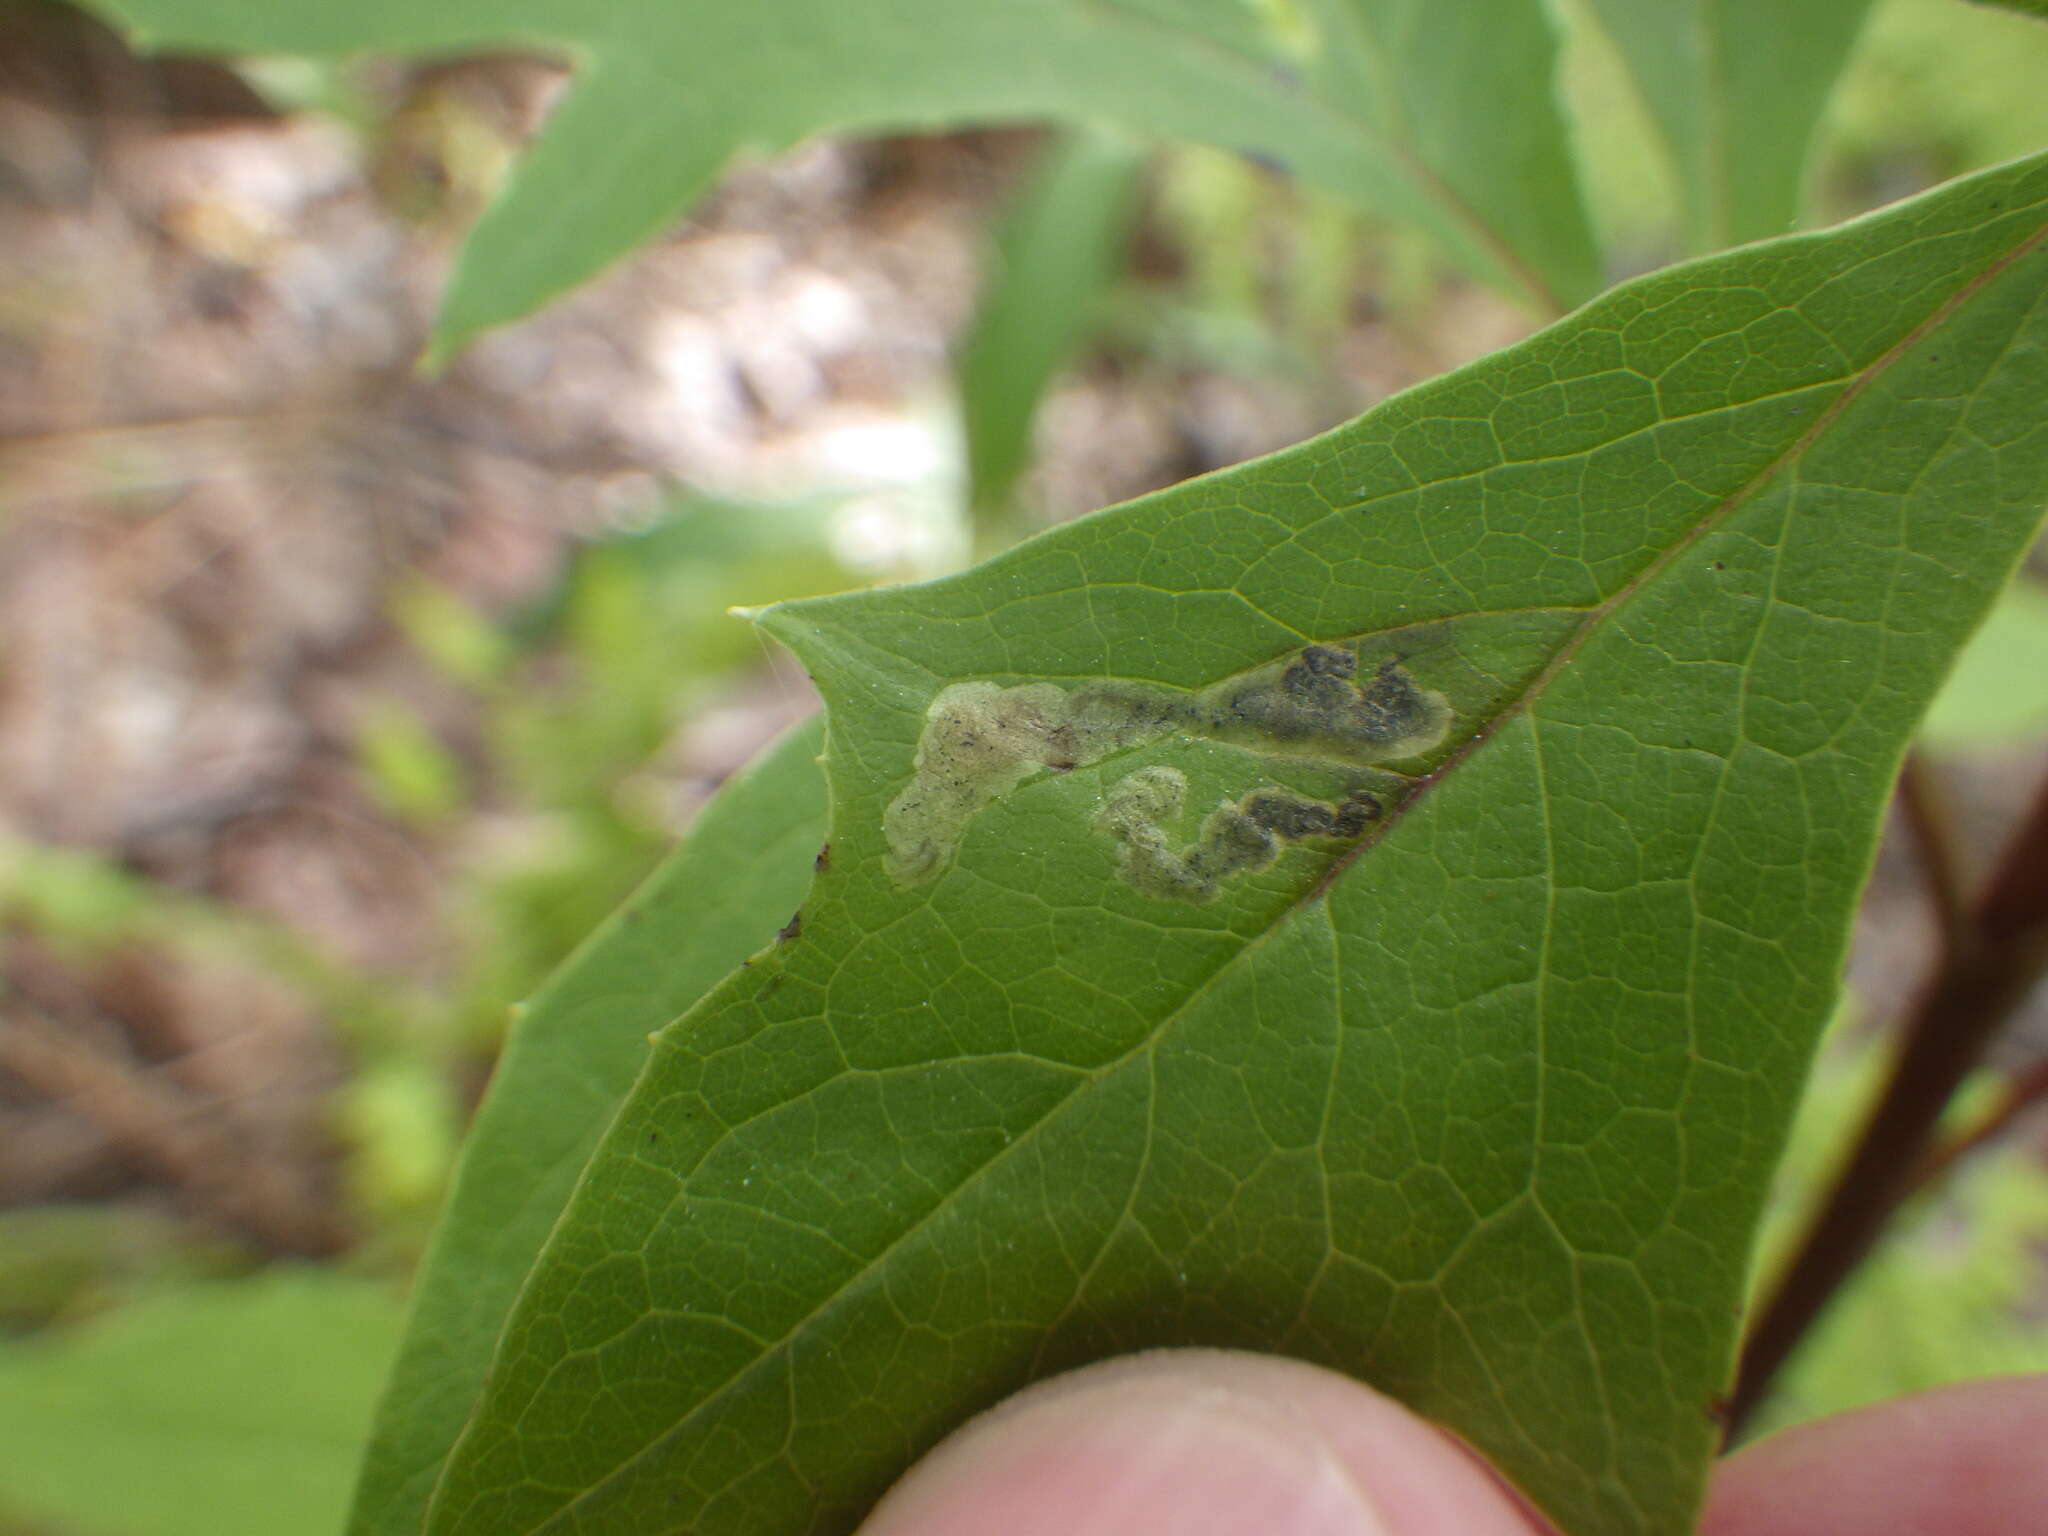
<point x="231" y="1409"/>
<point x="1737" y="88"/>
<point x="666" y="95"/>
<point x="1061" y="244"/>
<point x="570" y="1059"/>
<point x="1481" y="1107"/>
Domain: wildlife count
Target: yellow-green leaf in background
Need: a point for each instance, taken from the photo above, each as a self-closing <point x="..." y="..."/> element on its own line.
<point x="1374" y="100"/>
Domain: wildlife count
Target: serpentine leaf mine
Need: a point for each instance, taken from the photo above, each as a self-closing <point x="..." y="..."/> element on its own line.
<point x="1233" y="839"/>
<point x="982" y="740"/>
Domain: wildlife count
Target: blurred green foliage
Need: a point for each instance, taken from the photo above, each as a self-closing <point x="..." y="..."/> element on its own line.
<point x="64" y="1263"/>
<point x="1063" y="241"/>
<point x="228" y="1409"/>
<point x="147" y="1405"/>
<point x="1998" y="694"/>
<point x="582" y="693"/>
<point x="1265" y="271"/>
<point x="1943" y="88"/>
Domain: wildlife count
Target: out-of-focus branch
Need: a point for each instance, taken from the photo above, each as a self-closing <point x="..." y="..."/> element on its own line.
<point x="2021" y="1093"/>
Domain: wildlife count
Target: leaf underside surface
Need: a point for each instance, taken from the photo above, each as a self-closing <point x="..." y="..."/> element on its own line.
<point x="1469" y="1079"/>
<point x="1369" y="102"/>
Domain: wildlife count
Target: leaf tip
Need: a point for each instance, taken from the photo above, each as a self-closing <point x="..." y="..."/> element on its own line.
<point x="779" y="620"/>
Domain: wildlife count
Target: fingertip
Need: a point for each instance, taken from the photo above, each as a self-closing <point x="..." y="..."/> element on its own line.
<point x="1199" y="1443"/>
<point x="1963" y="1460"/>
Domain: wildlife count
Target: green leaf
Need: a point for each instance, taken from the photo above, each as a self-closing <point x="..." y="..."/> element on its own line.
<point x="1060" y="246"/>
<point x="667" y="94"/>
<point x="1467" y="95"/>
<point x="1737" y="87"/>
<point x="231" y="1409"/>
<point x="571" y="1057"/>
<point x="1477" y="1100"/>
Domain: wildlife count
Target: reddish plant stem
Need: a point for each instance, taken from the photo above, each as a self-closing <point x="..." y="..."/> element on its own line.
<point x="1925" y="811"/>
<point x="1983" y="975"/>
<point x="2026" y="1090"/>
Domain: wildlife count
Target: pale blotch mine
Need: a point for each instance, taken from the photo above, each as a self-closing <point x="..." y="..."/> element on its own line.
<point x="982" y="740"/>
<point x="1234" y="838"/>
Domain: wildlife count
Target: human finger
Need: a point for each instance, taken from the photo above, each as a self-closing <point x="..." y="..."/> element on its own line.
<point x="1199" y="1443"/>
